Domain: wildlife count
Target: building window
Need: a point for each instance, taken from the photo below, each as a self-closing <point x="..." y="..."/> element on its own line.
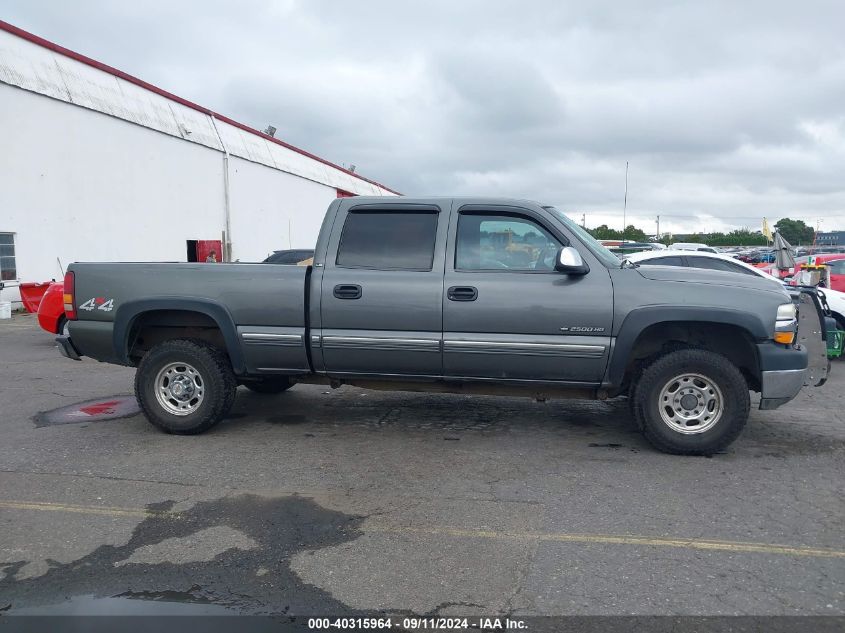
<point x="8" y="267"/>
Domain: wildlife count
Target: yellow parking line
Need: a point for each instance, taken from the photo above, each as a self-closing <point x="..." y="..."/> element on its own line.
<point x="705" y="544"/>
<point x="601" y="539"/>
<point x="63" y="507"/>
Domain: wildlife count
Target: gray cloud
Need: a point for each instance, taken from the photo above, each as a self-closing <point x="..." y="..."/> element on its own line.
<point x="727" y="111"/>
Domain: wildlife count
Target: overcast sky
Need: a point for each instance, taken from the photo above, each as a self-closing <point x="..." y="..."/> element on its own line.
<point x="726" y="111"/>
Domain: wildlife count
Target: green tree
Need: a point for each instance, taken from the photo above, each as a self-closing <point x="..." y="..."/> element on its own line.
<point x="737" y="237"/>
<point x="740" y="237"/>
<point x="634" y="234"/>
<point x="795" y="231"/>
<point x="604" y="232"/>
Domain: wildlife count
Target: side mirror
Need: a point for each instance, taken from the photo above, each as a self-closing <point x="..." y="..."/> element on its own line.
<point x="569" y="261"/>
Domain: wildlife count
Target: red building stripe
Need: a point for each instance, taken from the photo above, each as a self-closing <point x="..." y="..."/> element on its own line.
<point x="40" y="41"/>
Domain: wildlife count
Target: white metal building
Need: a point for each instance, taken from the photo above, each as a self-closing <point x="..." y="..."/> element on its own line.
<point x="98" y="165"/>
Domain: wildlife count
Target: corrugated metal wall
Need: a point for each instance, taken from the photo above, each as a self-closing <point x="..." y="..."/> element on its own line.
<point x="30" y="66"/>
<point x="98" y="168"/>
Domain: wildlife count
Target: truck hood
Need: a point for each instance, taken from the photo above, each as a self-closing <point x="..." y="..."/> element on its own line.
<point x="714" y="277"/>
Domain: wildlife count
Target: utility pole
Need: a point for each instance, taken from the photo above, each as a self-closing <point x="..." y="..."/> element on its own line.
<point x="584" y="220"/>
<point x="625" y="205"/>
<point x="658" y="227"/>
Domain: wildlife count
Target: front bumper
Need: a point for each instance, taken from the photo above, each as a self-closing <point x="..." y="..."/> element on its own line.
<point x="66" y="347"/>
<point x="780" y="386"/>
<point x="785" y="370"/>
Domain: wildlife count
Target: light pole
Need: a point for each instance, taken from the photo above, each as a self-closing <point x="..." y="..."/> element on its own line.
<point x="625" y="204"/>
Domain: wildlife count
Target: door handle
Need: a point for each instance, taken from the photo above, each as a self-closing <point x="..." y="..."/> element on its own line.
<point x="347" y="291"/>
<point x="462" y="293"/>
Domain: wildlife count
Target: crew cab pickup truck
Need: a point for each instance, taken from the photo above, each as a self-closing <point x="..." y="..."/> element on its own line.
<point x="474" y="295"/>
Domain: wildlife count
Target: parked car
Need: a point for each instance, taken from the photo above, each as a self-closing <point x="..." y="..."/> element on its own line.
<point x="295" y="256"/>
<point x="626" y="248"/>
<point x="692" y="246"/>
<point x="700" y="259"/>
<point x="51" y="310"/>
<point x="837" y="273"/>
<point x="834" y="261"/>
<point x="836" y="301"/>
<point x="474" y="295"/>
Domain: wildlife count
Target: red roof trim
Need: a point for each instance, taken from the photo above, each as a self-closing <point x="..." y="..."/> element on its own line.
<point x="40" y="41"/>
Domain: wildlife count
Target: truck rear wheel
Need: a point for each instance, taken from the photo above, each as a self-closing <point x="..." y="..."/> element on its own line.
<point x="185" y="386"/>
<point x="691" y="402"/>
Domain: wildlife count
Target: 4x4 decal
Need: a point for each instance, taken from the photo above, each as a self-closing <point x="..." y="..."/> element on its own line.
<point x="98" y="303"/>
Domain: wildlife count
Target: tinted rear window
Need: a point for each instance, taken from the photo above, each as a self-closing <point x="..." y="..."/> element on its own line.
<point x="388" y="240"/>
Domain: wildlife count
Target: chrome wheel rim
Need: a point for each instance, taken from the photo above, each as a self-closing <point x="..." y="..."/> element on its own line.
<point x="690" y="404"/>
<point x="179" y="388"/>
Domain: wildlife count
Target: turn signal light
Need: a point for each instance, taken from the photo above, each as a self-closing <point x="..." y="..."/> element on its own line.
<point x="69" y="299"/>
<point x="787" y="338"/>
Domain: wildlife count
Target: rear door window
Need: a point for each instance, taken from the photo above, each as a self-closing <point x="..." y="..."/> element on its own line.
<point x="670" y="260"/>
<point x="711" y="263"/>
<point x="388" y="240"/>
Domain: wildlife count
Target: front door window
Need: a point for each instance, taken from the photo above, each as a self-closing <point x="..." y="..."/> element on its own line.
<point x="495" y="242"/>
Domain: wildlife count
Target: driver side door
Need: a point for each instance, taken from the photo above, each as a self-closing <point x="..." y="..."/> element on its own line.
<point x="507" y="314"/>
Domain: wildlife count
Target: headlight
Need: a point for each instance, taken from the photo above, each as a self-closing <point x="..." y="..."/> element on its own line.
<point x="786" y="324"/>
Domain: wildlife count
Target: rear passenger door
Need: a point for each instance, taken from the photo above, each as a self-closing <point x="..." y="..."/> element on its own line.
<point x="382" y="290"/>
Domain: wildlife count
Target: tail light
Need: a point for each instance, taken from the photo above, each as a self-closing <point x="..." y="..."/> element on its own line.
<point x="69" y="297"/>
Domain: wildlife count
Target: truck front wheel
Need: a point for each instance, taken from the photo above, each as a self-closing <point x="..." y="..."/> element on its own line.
<point x="691" y="402"/>
<point x="185" y="386"/>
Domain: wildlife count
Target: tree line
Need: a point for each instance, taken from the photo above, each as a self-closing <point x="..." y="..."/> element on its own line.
<point x="796" y="232"/>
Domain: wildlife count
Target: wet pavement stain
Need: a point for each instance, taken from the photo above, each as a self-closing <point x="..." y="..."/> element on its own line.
<point x="122" y="606"/>
<point x="254" y="581"/>
<point x="101" y="409"/>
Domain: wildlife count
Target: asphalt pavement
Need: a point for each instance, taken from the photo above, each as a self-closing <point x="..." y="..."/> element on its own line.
<point x="347" y="501"/>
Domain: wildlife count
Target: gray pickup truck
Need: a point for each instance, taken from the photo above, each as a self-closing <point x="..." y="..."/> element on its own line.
<point x="465" y="295"/>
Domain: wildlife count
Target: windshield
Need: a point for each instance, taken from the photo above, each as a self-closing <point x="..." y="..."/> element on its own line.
<point x="607" y="258"/>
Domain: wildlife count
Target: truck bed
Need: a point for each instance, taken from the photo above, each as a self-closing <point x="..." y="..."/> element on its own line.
<point x="267" y="302"/>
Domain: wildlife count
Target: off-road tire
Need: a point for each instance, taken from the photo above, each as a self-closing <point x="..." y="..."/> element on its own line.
<point x="713" y="366"/>
<point x="269" y="385"/>
<point x="218" y="379"/>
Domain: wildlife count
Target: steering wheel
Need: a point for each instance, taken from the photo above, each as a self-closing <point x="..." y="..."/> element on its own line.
<point x="540" y="264"/>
